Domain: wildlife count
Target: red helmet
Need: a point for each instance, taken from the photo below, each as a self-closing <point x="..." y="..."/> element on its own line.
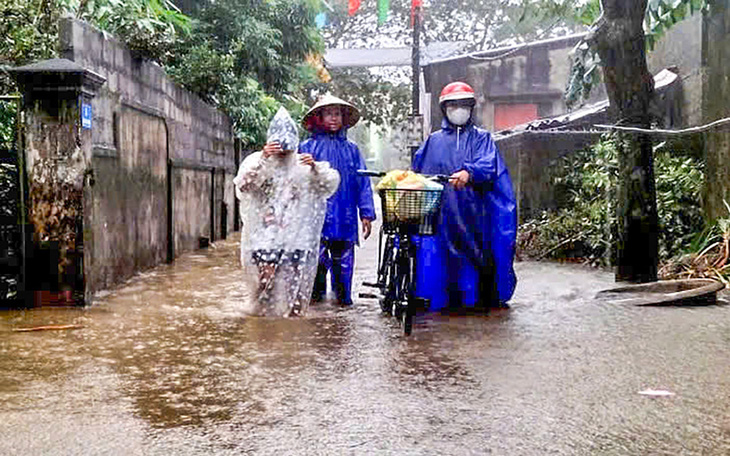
<point x="457" y="91"/>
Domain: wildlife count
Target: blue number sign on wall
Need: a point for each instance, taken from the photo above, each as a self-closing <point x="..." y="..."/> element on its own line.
<point x="86" y="116"/>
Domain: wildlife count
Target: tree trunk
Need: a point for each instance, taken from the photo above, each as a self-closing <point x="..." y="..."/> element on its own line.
<point x="619" y="39"/>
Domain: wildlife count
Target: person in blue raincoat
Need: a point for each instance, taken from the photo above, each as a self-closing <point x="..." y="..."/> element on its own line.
<point x="328" y="121"/>
<point x="473" y="252"/>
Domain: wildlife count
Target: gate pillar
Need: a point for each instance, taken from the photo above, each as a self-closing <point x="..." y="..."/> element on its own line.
<point x="58" y="114"/>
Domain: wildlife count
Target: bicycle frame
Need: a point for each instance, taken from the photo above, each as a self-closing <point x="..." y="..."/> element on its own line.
<point x="397" y="255"/>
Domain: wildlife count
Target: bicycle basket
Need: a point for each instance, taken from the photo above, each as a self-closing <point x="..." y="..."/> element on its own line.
<point x="410" y="211"/>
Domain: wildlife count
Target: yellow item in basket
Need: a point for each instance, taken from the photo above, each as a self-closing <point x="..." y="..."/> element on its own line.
<point x="403" y="205"/>
<point x="403" y="179"/>
<point x="391" y="179"/>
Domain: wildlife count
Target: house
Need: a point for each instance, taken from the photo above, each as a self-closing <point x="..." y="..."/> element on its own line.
<point x="520" y="89"/>
<point x="514" y="84"/>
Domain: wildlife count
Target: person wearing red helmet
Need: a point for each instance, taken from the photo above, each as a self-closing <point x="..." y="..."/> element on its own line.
<point x="473" y="252"/>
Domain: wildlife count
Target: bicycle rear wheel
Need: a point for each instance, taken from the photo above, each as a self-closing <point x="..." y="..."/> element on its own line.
<point x="388" y="275"/>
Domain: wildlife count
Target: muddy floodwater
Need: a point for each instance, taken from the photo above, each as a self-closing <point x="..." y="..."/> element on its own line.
<point x="166" y="365"/>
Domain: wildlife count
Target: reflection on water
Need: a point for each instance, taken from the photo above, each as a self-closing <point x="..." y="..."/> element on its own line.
<point x="167" y="365"/>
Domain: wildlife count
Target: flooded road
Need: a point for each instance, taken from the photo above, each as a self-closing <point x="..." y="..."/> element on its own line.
<point x="166" y="365"/>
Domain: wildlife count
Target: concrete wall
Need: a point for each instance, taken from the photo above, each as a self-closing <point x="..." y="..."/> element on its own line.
<point x="155" y="145"/>
<point x="129" y="202"/>
<point x="530" y="157"/>
<point x="681" y="48"/>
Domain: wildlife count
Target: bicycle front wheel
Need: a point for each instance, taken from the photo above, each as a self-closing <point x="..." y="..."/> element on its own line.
<point x="407" y="318"/>
<point x="405" y="302"/>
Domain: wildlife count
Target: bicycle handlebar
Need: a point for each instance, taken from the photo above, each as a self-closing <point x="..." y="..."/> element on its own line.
<point x="442" y="178"/>
<point x="367" y="172"/>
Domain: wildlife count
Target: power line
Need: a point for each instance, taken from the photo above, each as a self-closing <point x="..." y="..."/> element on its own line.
<point x="657" y="131"/>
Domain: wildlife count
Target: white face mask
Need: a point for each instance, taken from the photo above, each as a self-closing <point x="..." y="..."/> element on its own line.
<point x="458" y="115"/>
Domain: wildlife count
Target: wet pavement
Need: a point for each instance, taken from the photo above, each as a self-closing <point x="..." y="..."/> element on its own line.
<point x="167" y="365"/>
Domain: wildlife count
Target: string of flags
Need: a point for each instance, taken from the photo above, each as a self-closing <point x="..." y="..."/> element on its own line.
<point x="383" y="8"/>
<point x="353" y="6"/>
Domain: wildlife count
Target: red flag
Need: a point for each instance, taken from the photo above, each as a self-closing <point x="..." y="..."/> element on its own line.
<point x="354" y="5"/>
<point x="415" y="9"/>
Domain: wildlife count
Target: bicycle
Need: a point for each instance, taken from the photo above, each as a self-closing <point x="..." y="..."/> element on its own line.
<point x="405" y="213"/>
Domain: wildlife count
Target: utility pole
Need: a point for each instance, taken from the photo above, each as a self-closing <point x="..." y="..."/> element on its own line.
<point x="416" y="77"/>
<point x="415" y="61"/>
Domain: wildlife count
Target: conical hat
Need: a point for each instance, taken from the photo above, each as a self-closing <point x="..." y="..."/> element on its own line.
<point x="353" y="115"/>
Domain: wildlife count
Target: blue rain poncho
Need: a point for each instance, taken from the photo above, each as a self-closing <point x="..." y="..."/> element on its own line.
<point x="354" y="193"/>
<point x="478" y="224"/>
<point x="283" y="205"/>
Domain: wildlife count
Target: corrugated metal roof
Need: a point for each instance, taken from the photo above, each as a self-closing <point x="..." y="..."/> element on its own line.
<point x="568" y="119"/>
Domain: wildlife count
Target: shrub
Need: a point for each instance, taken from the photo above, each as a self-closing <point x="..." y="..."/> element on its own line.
<point x="584" y="228"/>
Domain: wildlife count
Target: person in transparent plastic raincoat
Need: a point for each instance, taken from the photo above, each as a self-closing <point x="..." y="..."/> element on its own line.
<point x="283" y="198"/>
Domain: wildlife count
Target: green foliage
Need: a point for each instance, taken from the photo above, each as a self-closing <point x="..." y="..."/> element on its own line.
<point x="584" y="226"/>
<point x="663" y="14"/>
<point x="712" y="233"/>
<point x="30" y="27"/>
<point x="8" y="190"/>
<point x="531" y="20"/>
<point x="202" y="69"/>
<point x="150" y="28"/>
<point x="29" y="31"/>
<point x="708" y="255"/>
<point x="8" y="172"/>
<point x="679" y="191"/>
<point x="8" y="111"/>
<point x="267" y="41"/>
<point x="251" y="110"/>
<point x="243" y="55"/>
<point x="236" y="54"/>
<point x="584" y="74"/>
<point x="588" y="13"/>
